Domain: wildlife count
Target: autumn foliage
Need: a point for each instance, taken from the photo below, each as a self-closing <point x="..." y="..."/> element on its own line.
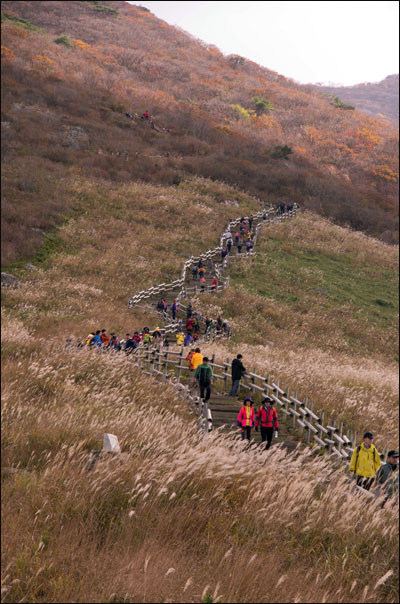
<point x="227" y="116"/>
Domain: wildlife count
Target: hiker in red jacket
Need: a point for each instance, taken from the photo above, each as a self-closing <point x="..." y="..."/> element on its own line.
<point x="245" y="419"/>
<point x="268" y="417"/>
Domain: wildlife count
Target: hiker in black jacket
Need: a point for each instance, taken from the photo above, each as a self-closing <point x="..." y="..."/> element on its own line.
<point x="238" y="371"/>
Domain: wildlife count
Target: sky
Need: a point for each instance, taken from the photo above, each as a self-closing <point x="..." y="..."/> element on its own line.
<point x="341" y="42"/>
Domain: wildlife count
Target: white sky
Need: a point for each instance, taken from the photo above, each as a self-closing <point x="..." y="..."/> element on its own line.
<point x="343" y="42"/>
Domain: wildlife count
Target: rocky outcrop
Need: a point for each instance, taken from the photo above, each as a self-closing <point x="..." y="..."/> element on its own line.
<point x="9" y="280"/>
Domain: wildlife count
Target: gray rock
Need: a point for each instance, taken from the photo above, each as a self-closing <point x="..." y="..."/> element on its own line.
<point x="76" y="138"/>
<point x="9" y="280"/>
<point x="30" y="267"/>
<point x="229" y="202"/>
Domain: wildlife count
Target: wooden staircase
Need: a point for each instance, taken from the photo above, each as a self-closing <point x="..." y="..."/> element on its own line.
<point x="225" y="410"/>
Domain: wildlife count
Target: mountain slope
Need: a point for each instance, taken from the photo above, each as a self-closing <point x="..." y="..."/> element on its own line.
<point x="71" y="71"/>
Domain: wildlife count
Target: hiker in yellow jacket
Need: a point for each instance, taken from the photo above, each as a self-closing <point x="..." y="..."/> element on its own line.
<point x="180" y="338"/>
<point x="365" y="461"/>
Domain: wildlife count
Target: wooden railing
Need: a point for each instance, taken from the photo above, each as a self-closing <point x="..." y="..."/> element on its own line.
<point x="311" y="424"/>
<point x="211" y="254"/>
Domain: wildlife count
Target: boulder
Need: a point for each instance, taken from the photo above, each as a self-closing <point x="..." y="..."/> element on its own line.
<point x="9" y="280"/>
<point x="76" y="138"/>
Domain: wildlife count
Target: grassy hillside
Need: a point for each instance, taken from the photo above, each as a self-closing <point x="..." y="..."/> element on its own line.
<point x="165" y="520"/>
<point x="72" y="69"/>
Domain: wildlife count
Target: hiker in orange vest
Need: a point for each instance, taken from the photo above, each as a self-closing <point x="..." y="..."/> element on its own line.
<point x="245" y="419"/>
<point x="268" y="418"/>
<point x="189" y="359"/>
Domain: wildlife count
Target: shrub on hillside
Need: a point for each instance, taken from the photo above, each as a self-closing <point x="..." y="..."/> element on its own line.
<point x="65" y="41"/>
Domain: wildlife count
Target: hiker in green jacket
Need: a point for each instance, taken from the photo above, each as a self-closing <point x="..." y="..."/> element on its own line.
<point x="204" y="375"/>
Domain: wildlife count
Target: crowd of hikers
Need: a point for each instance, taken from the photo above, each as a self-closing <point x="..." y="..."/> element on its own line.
<point x="282" y="208"/>
<point x="147" y="118"/>
<point x="365" y="463"/>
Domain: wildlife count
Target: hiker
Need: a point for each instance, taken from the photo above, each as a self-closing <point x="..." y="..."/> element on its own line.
<point x="219" y="324"/>
<point x="136" y="337"/>
<point x="166" y="342"/>
<point x="387" y="477"/>
<point x="196" y="324"/>
<point x="239" y="247"/>
<point x="365" y="461"/>
<point x="189" y="362"/>
<point x="114" y="342"/>
<point x="104" y="337"/>
<point x="208" y="323"/>
<point x="189" y="311"/>
<point x="97" y="339"/>
<point x="160" y="305"/>
<point x="130" y="344"/>
<point x="203" y="284"/>
<point x="152" y="125"/>
<point x="194" y="272"/>
<point x="146" y="115"/>
<point x="224" y="253"/>
<point x="237" y="237"/>
<point x="204" y="375"/>
<point x="245" y="419"/>
<point x="147" y="339"/>
<point x="200" y="263"/>
<point x="156" y="334"/>
<point x="190" y="325"/>
<point x="251" y="221"/>
<point x="174" y="308"/>
<point x="264" y="216"/>
<point x="238" y="371"/>
<point x="201" y="272"/>
<point x="249" y="246"/>
<point x="188" y="340"/>
<point x="89" y="339"/>
<point x="281" y="207"/>
<point x="226" y="328"/>
<point x="180" y="337"/>
<point x="229" y="245"/>
<point x="214" y="283"/>
<point x="197" y="358"/>
<point x="268" y="418"/>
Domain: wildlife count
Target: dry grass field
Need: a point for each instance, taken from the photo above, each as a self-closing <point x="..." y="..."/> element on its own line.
<point x="178" y="517"/>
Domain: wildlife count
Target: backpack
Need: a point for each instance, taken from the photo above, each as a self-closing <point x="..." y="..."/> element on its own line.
<point x="189" y="359"/>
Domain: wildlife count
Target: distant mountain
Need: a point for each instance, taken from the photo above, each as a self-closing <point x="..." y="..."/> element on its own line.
<point x="378" y="99"/>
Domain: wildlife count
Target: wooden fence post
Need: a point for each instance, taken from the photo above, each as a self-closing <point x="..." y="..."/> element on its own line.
<point x="308" y="429"/>
<point x="180" y="361"/>
<point x="253" y="381"/>
<point x="226" y="366"/>
<point x="295" y="409"/>
<point x="267" y="378"/>
<point x="165" y="367"/>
